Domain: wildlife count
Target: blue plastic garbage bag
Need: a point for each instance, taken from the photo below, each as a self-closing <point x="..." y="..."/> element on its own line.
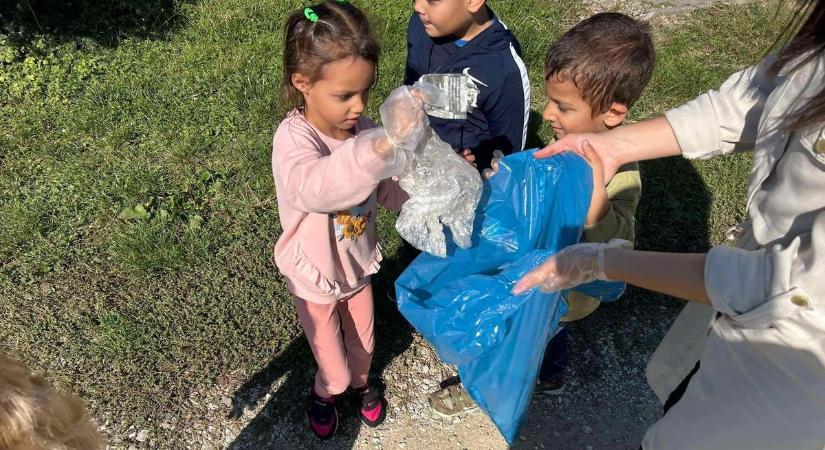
<point x="463" y="304"/>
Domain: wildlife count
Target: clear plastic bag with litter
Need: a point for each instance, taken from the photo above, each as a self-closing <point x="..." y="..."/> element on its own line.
<point x="444" y="189"/>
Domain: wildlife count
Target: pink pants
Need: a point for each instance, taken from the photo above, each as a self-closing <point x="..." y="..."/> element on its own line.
<point x="343" y="361"/>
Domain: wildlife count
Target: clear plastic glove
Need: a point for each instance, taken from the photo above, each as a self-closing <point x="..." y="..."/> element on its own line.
<point x="575" y="265"/>
<point x="430" y="94"/>
<point x="403" y="117"/>
<point x="395" y="161"/>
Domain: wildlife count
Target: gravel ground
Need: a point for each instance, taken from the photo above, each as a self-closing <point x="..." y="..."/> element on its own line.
<point x="607" y="403"/>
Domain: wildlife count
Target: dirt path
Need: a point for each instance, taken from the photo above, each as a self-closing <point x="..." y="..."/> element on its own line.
<point x="607" y="404"/>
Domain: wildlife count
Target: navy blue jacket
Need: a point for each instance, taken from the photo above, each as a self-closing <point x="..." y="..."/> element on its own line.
<point x="493" y="58"/>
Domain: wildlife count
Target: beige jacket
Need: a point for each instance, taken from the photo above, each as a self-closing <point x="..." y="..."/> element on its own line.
<point x="761" y="384"/>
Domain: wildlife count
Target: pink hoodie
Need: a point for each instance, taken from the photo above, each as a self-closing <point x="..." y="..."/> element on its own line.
<point x="328" y="191"/>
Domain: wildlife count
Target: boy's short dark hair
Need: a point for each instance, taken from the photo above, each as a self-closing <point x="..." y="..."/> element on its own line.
<point x="609" y="57"/>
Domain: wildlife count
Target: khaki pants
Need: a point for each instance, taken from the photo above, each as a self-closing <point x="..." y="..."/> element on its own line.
<point x="579" y="306"/>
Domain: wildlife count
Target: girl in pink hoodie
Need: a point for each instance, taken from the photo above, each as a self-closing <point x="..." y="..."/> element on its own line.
<point x="332" y="167"/>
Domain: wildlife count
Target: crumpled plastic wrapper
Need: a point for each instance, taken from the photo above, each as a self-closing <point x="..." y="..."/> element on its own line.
<point x="456" y="95"/>
<point x="444" y="190"/>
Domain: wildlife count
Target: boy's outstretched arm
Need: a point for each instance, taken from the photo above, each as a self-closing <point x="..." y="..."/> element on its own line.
<point x="619" y="222"/>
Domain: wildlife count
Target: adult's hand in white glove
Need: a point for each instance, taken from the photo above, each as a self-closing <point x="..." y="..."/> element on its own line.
<point x="572" y="266"/>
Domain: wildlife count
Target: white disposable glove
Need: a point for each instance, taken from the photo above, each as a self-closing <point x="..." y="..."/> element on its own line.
<point x="403" y="117"/>
<point x="574" y="265"/>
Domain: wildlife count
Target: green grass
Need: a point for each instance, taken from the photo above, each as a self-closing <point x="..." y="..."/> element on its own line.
<point x="137" y="211"/>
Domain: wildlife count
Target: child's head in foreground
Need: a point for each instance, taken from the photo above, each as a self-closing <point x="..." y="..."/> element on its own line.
<point x="34" y="416"/>
<point x="595" y="73"/>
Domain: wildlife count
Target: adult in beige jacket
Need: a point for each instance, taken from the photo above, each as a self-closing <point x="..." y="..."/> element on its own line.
<point x="761" y="380"/>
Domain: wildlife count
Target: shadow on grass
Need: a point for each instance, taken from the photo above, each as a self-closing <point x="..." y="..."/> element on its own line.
<point x="107" y="22"/>
<point x="293" y="371"/>
<point x="675" y="207"/>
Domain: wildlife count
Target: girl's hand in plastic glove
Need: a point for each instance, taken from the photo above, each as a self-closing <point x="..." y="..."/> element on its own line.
<point x="468" y="156"/>
<point x="488" y="173"/>
<point x="574" y="265"/>
<point x="403" y="117"/>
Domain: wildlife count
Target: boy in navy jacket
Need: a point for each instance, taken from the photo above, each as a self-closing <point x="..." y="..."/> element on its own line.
<point x="465" y="37"/>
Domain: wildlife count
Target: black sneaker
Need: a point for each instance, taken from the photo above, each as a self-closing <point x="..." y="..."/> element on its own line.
<point x="552" y="386"/>
<point x="322" y="415"/>
<point x="370" y="404"/>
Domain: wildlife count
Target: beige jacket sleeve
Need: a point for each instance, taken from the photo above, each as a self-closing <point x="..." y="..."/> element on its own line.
<point x="724" y="121"/>
<point x="619" y="222"/>
<point x="757" y="287"/>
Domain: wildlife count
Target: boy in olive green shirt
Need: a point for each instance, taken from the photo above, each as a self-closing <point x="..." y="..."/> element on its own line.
<point x="592" y="76"/>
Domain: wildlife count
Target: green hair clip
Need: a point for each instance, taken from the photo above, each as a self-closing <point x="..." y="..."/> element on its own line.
<point x="310" y="14"/>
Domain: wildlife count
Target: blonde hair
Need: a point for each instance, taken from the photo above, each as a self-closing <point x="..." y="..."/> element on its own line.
<point x="35" y="416"/>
